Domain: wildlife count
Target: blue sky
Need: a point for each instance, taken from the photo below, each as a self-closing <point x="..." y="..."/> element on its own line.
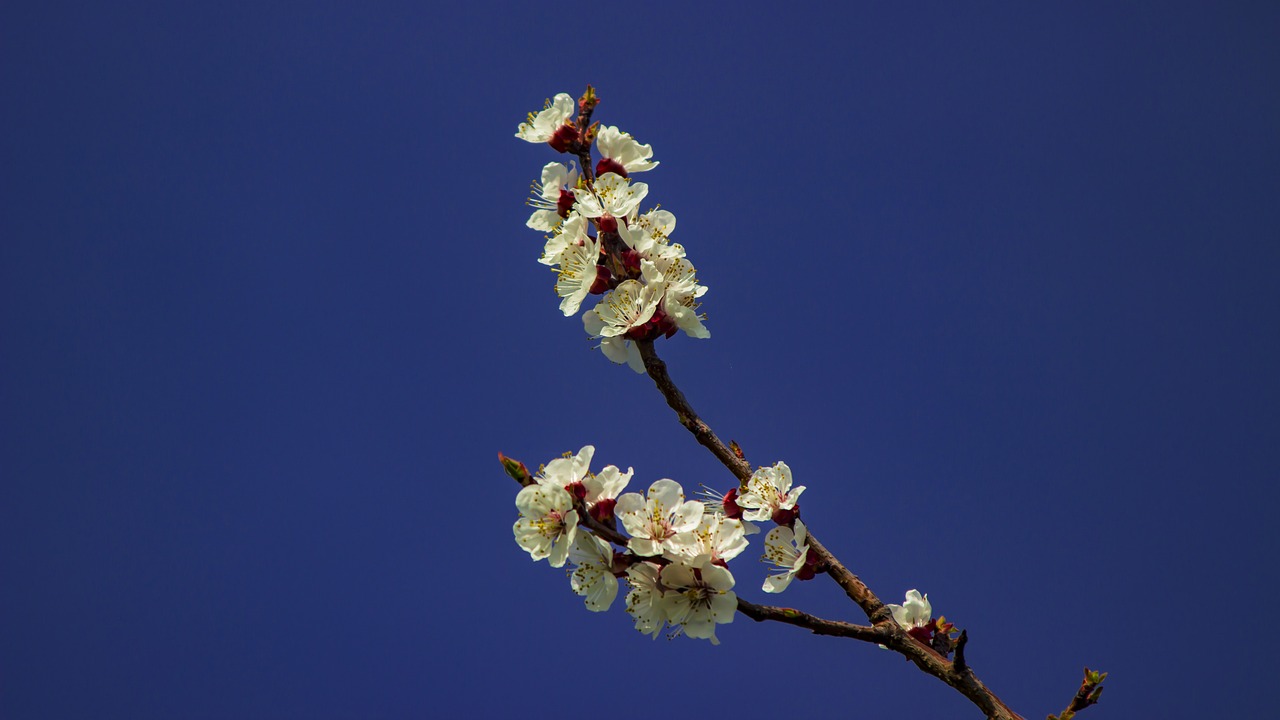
<point x="997" y="282"/>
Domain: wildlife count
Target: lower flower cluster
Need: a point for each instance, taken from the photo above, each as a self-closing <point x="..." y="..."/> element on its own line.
<point x="671" y="552"/>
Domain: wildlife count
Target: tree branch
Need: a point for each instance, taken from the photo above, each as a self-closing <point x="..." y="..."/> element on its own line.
<point x="812" y="623"/>
<point x="886" y="631"/>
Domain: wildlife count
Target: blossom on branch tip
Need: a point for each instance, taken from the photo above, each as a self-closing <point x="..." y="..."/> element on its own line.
<point x="656" y="524"/>
<point x="914" y="615"/>
<point x="769" y="495"/>
<point x="551" y="125"/>
<point x="621" y="153"/>
<point x="547" y="523"/>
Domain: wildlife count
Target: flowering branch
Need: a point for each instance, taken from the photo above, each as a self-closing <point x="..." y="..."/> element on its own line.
<point x="673" y="553"/>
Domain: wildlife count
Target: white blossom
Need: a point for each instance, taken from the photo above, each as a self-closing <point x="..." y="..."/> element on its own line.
<point x="556" y="178"/>
<point x="718" y="537"/>
<point x="613" y="195"/>
<point x="547" y="523"/>
<point x="915" y="612"/>
<point x="623" y="149"/>
<point x="645" y="599"/>
<point x="593" y="575"/>
<point x="785" y="550"/>
<point x="768" y="491"/>
<point x="656" y="523"/>
<point x="540" y="127"/>
<point x="571" y="233"/>
<point x="577" y="274"/>
<point x="699" y="597"/>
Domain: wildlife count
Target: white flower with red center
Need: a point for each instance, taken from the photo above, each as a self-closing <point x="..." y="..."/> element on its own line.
<point x="621" y="350"/>
<point x="717" y="537"/>
<point x="593" y="572"/>
<point x="648" y="234"/>
<point x="769" y="495"/>
<point x="625" y="308"/>
<point x="553" y="198"/>
<point x="699" y="597"/>
<point x="621" y="153"/>
<point x="786" y="550"/>
<point x="579" y="273"/>
<point x="600" y="491"/>
<point x="656" y="523"/>
<point x="613" y="196"/>
<point x="679" y="302"/>
<point x="645" y="599"/>
<point x="547" y="523"/>
<point x="915" y="616"/>
<point x="571" y="233"/>
<point x="551" y="125"/>
<point x="568" y="470"/>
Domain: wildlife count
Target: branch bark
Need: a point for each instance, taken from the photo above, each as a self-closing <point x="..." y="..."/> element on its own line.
<point x="884" y="630"/>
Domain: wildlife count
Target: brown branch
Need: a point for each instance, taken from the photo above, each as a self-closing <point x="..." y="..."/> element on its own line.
<point x="702" y="432"/>
<point x="812" y="623"/>
<point x="888" y="632"/>
<point x="1088" y="694"/>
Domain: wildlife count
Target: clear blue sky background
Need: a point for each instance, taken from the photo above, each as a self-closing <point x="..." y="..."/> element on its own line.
<point x="999" y="283"/>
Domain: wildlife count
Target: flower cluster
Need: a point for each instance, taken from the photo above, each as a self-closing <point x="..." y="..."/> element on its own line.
<point x="672" y="552"/>
<point x="600" y="243"/>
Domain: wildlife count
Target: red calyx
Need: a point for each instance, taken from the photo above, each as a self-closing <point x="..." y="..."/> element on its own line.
<point x="601" y="283"/>
<point x="603" y="510"/>
<point x="732" y="510"/>
<point x="631" y="261"/>
<point x="607" y="223"/>
<point x="565" y="203"/>
<point x="609" y="165"/>
<point x="923" y="634"/>
<point x="577" y="490"/>
<point x="786" y="517"/>
<point x="659" y="324"/>
<point x="564" y="137"/>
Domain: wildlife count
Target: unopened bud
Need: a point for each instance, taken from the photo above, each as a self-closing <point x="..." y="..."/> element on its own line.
<point x="516" y="470"/>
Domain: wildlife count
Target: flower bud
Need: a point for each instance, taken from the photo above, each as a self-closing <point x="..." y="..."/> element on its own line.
<point x="516" y="470"/>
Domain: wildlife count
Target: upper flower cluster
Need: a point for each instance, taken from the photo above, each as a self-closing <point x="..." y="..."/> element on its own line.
<point x="600" y="243"/>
